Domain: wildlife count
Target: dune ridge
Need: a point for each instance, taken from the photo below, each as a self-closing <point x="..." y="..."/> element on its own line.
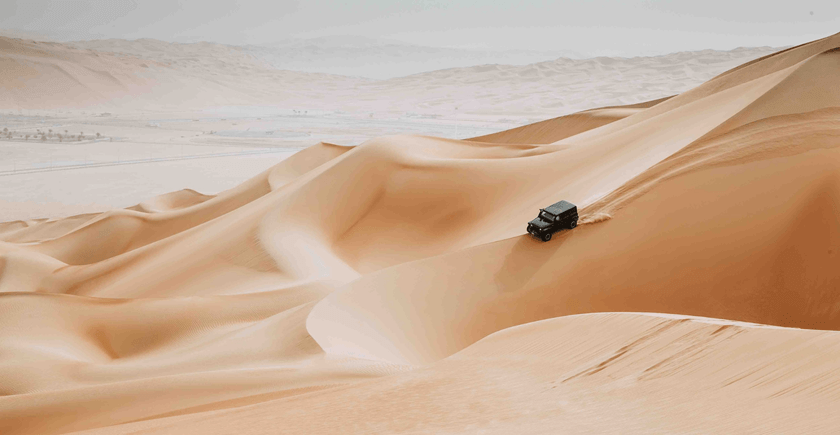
<point x="414" y="336"/>
<point x="349" y="285"/>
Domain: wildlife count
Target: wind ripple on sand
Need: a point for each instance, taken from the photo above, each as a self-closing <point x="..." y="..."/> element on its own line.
<point x="603" y="373"/>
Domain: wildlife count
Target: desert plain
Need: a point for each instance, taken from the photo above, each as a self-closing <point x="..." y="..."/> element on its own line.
<point x="196" y="241"/>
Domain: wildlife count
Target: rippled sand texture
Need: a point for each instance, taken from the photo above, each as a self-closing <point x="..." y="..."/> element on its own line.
<point x="390" y="287"/>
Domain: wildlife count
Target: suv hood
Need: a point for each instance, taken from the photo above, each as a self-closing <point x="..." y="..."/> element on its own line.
<point x="539" y="223"/>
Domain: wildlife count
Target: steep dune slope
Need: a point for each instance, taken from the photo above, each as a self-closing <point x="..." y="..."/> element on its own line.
<point x="485" y="199"/>
<point x="553" y="130"/>
<point x="396" y="332"/>
<point x="774" y="68"/>
<point x="811" y="87"/>
<point x="731" y="238"/>
<point x="442" y="195"/>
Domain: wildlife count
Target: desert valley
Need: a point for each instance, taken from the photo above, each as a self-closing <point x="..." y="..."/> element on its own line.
<point x="349" y="255"/>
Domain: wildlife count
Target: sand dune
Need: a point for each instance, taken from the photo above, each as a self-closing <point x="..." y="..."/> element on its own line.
<point x="744" y="239"/>
<point x="347" y="55"/>
<point x="604" y="373"/>
<point x="172" y="201"/>
<point x="719" y="222"/>
<point x="49" y="76"/>
<point x="149" y="75"/>
<point x="566" y="85"/>
<point x="272" y="305"/>
<point x="553" y="130"/>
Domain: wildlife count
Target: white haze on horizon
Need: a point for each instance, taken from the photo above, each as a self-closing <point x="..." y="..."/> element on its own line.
<point x="602" y="27"/>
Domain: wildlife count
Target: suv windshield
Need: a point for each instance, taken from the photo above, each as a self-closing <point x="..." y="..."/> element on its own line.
<point x="546" y="216"/>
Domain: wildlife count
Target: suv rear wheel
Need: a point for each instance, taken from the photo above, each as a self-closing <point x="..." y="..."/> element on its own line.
<point x="573" y="224"/>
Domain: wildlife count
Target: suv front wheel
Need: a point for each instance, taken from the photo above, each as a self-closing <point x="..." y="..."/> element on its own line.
<point x="546" y="237"/>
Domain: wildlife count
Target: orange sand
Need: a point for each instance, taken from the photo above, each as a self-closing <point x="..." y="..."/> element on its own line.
<point x="391" y="288"/>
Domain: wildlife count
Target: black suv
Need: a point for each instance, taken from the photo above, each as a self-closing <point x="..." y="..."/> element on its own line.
<point x="552" y="219"/>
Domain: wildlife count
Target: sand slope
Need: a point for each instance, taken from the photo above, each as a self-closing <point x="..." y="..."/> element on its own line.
<point x="273" y="304"/>
<point x="553" y="130"/>
<point x="48" y="76"/>
<point x="602" y="373"/>
<point x="729" y="239"/>
<point x="741" y="226"/>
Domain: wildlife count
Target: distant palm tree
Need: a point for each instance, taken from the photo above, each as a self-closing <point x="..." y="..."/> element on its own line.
<point x="59" y="137"/>
<point x="26" y="137"/>
<point x="43" y="138"/>
<point x="98" y="135"/>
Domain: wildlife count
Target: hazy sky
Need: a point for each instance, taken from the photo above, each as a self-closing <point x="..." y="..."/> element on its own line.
<point x="628" y="27"/>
